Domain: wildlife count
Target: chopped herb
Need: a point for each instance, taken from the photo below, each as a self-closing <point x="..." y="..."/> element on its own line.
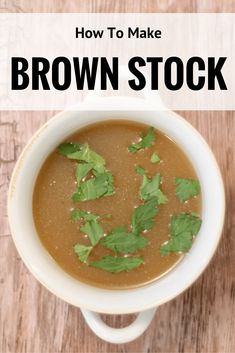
<point x="89" y="156"/>
<point x="184" y="227"/>
<point x="117" y="264"/>
<point x="94" y="231"/>
<point x="95" y="187"/>
<point x="185" y="222"/>
<point x="155" y="158"/>
<point x="146" y="141"/>
<point x="186" y="188"/>
<point x="95" y="181"/>
<point x="140" y="170"/>
<point x="119" y="240"/>
<point x="162" y="199"/>
<point x="142" y="218"/>
<point x="77" y="214"/>
<point x="82" y="251"/>
<point x="82" y="170"/>
<point x="76" y="197"/>
<point x="177" y="244"/>
<point x="68" y="147"/>
<point x="101" y="182"/>
<point x="151" y="187"/>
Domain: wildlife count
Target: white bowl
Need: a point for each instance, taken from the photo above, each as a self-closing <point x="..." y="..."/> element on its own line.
<point x="53" y="277"/>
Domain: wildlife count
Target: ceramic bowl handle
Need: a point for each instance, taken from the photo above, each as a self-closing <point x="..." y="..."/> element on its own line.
<point x="118" y="335"/>
<point x="152" y="97"/>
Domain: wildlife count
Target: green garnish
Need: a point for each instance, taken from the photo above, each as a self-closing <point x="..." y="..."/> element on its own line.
<point x="75" y="197"/>
<point x="140" y="170"/>
<point x="119" y="240"/>
<point x="151" y="187"/>
<point x="100" y="183"/>
<point x="87" y="155"/>
<point x="142" y="218"/>
<point x="186" y="188"/>
<point x="82" y="170"/>
<point x="95" y="181"/>
<point x="145" y="141"/>
<point x="82" y="251"/>
<point x="183" y="228"/>
<point x="68" y="147"/>
<point x="117" y="264"/>
<point x="95" y="187"/>
<point x="77" y="214"/>
<point x="94" y="231"/>
<point x="155" y="158"/>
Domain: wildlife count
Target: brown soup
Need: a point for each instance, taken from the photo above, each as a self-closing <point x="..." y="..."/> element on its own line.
<point x="56" y="183"/>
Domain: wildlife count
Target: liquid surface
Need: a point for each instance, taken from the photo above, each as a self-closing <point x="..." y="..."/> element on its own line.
<point x="55" y="185"/>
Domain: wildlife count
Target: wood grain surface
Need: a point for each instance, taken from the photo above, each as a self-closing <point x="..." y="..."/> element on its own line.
<point x="202" y="319"/>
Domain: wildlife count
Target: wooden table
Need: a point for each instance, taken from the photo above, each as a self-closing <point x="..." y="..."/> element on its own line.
<point x="200" y="320"/>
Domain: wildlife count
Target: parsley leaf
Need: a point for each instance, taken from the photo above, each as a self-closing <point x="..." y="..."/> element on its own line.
<point x="177" y="244"/>
<point x="67" y="148"/>
<point x="93" y="188"/>
<point x="186" y="188"/>
<point x="82" y="170"/>
<point x="100" y="184"/>
<point x="155" y="158"/>
<point x="82" y="251"/>
<point x="146" y="141"/>
<point x="162" y="199"/>
<point x="140" y="170"/>
<point x="185" y="222"/>
<point x="89" y="156"/>
<point x="120" y="240"/>
<point x="94" y="231"/>
<point x="183" y="228"/>
<point x="77" y="214"/>
<point x="76" y="197"/>
<point x="142" y="218"/>
<point x="117" y="264"/>
<point x="151" y="187"/>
